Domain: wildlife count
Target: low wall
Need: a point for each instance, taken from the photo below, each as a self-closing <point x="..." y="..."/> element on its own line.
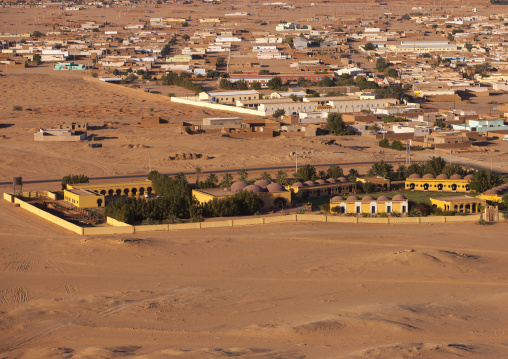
<point x="49" y="217"/>
<point x="219" y="107"/>
<point x="118" y="227"/>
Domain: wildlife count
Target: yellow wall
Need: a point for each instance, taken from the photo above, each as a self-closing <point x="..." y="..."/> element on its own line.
<point x="492" y="198"/>
<point x="366" y="206"/>
<point x="322" y="190"/>
<point x="455" y="206"/>
<point x="434" y="185"/>
<point x="84" y="201"/>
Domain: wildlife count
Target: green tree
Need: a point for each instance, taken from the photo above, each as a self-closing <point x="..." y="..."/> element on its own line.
<point x="227" y="180"/>
<point x="293" y="97"/>
<point x="485" y="179"/>
<point x="166" y="50"/>
<point x="275" y="83"/>
<point x="392" y="73"/>
<point x="452" y="169"/>
<point x="326" y="82"/>
<point x="225" y="84"/>
<point x="116" y="72"/>
<point x="73" y="179"/>
<point x="334" y="171"/>
<point x="37" y="34"/>
<point x="435" y="166"/>
<point x="263" y="72"/>
<point x="353" y="174"/>
<point x="306" y="173"/>
<point x="37" y="58"/>
<point x="220" y="61"/>
<point x="414" y="168"/>
<point x="406" y="17"/>
<point x="266" y="176"/>
<point x="198" y="170"/>
<point x="289" y="40"/>
<point x="242" y="174"/>
<point x="335" y="125"/>
<point x="397" y="145"/>
<point x="381" y="64"/>
<point x="282" y="178"/>
<point x="255" y="85"/>
<point x="322" y="175"/>
<point x="185" y="37"/>
<point x="242" y="85"/>
<point x="369" y="46"/>
<point x="385" y="143"/>
<point x="278" y="113"/>
<point x="381" y="169"/>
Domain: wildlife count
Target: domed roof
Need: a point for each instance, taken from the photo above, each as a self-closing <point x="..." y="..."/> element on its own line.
<point x="262" y="183"/>
<point x="239" y="185"/>
<point x="492" y="191"/>
<point x="253" y="188"/>
<point x="367" y="198"/>
<point x="275" y="187"/>
<point x="399" y="197"/>
<point x="456" y="176"/>
<point x="342" y="179"/>
<point x="443" y="176"/>
<point x="352" y="198"/>
<point x="310" y="183"/>
<point x="415" y="175"/>
<point x="429" y="175"/>
<point x="468" y="177"/>
<point x="298" y="184"/>
<point x="383" y="198"/>
<point x="320" y="181"/>
<point x="337" y="198"/>
<point x="331" y="180"/>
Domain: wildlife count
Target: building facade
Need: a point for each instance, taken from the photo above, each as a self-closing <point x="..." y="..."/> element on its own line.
<point x="369" y="205"/>
<point x="441" y="183"/>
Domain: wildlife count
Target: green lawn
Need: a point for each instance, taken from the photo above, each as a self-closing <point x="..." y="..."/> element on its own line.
<point x="412" y="195"/>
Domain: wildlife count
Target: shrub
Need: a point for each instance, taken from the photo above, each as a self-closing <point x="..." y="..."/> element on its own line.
<point x="325" y="207"/>
<point x="95" y="75"/>
<point x="383" y="215"/>
<point x="17" y="108"/>
<point x="482" y="222"/>
<point x="300" y="211"/>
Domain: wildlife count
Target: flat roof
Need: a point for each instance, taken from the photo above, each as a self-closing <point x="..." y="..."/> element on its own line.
<point x="458" y="199"/>
<point x="81" y="192"/>
<point x="232" y="93"/>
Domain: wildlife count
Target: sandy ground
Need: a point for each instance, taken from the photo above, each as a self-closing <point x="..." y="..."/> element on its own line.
<point x="276" y="291"/>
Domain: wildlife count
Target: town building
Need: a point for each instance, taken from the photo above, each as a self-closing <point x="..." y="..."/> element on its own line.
<point x="461" y="204"/>
<point x="369" y="205"/>
<point x="84" y="198"/>
<point x="116" y="189"/>
<point x="322" y="188"/>
<point x="269" y="195"/>
<point x="441" y="183"/>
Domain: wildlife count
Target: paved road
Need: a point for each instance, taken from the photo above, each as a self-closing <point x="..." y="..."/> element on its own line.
<point x="235" y="170"/>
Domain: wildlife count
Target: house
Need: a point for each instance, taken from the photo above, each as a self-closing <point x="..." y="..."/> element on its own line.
<point x="269" y="195"/>
<point x="462" y="204"/>
<point x="322" y="188"/>
<point x="369" y="205"/>
<point x="58" y="135"/>
<point x="84" y="198"/>
<point x="228" y="96"/>
<point x="68" y="66"/>
<point x="441" y="183"/>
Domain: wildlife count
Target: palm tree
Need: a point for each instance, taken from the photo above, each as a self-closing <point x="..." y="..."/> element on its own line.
<point x="227" y="179"/>
<point x="198" y="170"/>
<point x="242" y="173"/>
<point x="282" y="178"/>
<point x="266" y="176"/>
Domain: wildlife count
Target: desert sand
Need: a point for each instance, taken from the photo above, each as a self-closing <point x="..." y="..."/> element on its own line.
<point x="276" y="291"/>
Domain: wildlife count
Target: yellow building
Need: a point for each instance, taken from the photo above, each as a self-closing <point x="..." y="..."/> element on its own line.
<point x="138" y="188"/>
<point x="319" y="188"/>
<point x="441" y="183"/>
<point x="369" y="205"/>
<point x="270" y="195"/>
<point x="83" y="198"/>
<point x="462" y="204"/>
<point x="494" y="194"/>
<point x="380" y="183"/>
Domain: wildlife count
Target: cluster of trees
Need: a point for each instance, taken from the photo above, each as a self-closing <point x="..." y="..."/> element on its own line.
<point x="242" y="203"/>
<point x="392" y="118"/>
<point x="225" y="84"/>
<point x="336" y="126"/>
<point x="181" y="80"/>
<point x="72" y="179"/>
<point x="175" y="202"/>
<point x="309" y="173"/>
<point x="396" y="144"/>
<point x="385" y="68"/>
